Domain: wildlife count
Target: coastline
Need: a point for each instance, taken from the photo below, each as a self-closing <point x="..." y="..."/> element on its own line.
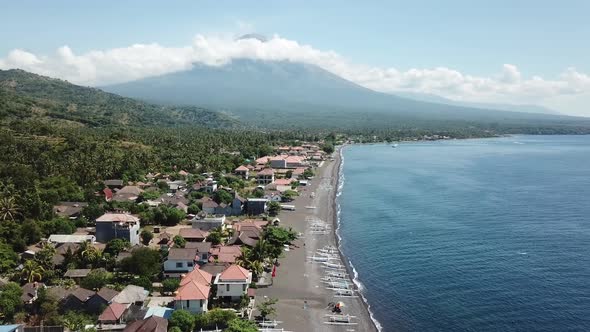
<point x="303" y="301"/>
<point x="338" y="239"/>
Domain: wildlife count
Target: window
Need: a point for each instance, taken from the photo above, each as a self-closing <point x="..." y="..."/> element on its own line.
<point x="204" y="257"/>
<point x="244" y="287"/>
<point x="188" y="303"/>
<point x="179" y="264"/>
<point x="189" y="264"/>
<point x="227" y="287"/>
<point x="201" y="303"/>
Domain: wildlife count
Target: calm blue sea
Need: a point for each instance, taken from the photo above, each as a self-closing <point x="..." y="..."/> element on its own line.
<point x="471" y="235"/>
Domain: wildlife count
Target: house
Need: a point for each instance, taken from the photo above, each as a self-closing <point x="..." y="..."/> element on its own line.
<point x="77" y="299"/>
<point x="225" y="254"/>
<point x="127" y="194"/>
<point x="237" y="205"/>
<point x="278" y="162"/>
<point x="117" y="225"/>
<point x="235" y="208"/>
<point x="164" y="240"/>
<point x="282" y="185"/>
<point x="214" y="268"/>
<point x="70" y="210"/>
<point x="173" y="199"/>
<point x="233" y="282"/>
<point x="197" y="275"/>
<point x="175" y="186"/>
<point x="30" y="292"/>
<point x="208" y="205"/>
<point x="179" y="261"/>
<point x="242" y="171"/>
<point x="77" y="274"/>
<point x="100" y="300"/>
<point x="265" y="176"/>
<point x="202" y="251"/>
<point x="295" y="162"/>
<point x="246" y="233"/>
<point x="298" y="172"/>
<point x="113" y="314"/>
<point x="112" y="184"/>
<point x="208" y="223"/>
<point x="194" y="290"/>
<point x="193" y="234"/>
<point x="256" y="206"/>
<point x="193" y="297"/>
<point x="208" y="186"/>
<point x="150" y="324"/>
<point x="131" y="295"/>
<point x="58" y="239"/>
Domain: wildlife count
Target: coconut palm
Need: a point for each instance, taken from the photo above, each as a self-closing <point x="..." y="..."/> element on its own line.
<point x="32" y="271"/>
<point x="8" y="208"/>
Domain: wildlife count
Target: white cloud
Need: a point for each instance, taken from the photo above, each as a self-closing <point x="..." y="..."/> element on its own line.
<point x="101" y="67"/>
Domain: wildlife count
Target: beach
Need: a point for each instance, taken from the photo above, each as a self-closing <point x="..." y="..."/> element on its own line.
<point x="303" y="300"/>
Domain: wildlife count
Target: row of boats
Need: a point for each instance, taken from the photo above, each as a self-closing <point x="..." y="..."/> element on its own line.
<point x="335" y="276"/>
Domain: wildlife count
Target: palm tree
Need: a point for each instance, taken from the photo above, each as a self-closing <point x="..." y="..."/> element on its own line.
<point x="8" y="208"/>
<point x="32" y="271"/>
<point x="244" y="259"/>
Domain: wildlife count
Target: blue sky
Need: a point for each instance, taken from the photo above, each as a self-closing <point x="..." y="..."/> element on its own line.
<point x="477" y="38"/>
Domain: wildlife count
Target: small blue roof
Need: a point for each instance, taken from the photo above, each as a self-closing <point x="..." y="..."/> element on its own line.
<point x="9" y="328"/>
<point x="159" y="312"/>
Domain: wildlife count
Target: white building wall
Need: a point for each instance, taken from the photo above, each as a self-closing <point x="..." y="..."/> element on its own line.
<point x="170" y="265"/>
<point x="134" y="234"/>
<point x="234" y="289"/>
<point x="194" y="306"/>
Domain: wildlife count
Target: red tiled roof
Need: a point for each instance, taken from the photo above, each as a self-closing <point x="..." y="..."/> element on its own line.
<point x="113" y="312"/>
<point x="254" y="223"/>
<point x="117" y="217"/>
<point x="197" y="275"/>
<point x="151" y="324"/>
<point x="294" y="159"/>
<point x="263" y="160"/>
<point x="192" y="291"/>
<point x="242" y="168"/>
<point x="283" y="182"/>
<point x="267" y="171"/>
<point x="225" y="254"/>
<point x="234" y="272"/>
<point x="209" y="203"/>
<point x="108" y="193"/>
<point x="193" y="233"/>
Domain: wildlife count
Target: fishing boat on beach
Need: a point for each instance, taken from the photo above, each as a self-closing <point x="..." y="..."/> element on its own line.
<point x="336" y="319"/>
<point x="319" y="259"/>
<point x="337" y="274"/>
<point x="269" y="323"/>
<point x="344" y="293"/>
<point x="333" y="265"/>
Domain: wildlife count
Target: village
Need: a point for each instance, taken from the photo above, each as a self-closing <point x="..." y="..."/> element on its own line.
<point x="175" y="251"/>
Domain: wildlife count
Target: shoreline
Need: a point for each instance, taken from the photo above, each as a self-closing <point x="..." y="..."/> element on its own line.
<point x="303" y="300"/>
<point x="337" y="238"/>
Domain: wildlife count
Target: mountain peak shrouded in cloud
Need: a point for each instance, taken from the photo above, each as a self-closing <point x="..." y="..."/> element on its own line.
<point x="256" y="36"/>
<point x="137" y="61"/>
<point x="288" y="86"/>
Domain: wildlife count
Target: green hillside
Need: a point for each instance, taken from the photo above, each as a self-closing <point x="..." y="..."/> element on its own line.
<point x="24" y="95"/>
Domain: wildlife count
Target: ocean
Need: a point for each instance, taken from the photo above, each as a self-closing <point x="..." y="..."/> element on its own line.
<point x="470" y="235"/>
